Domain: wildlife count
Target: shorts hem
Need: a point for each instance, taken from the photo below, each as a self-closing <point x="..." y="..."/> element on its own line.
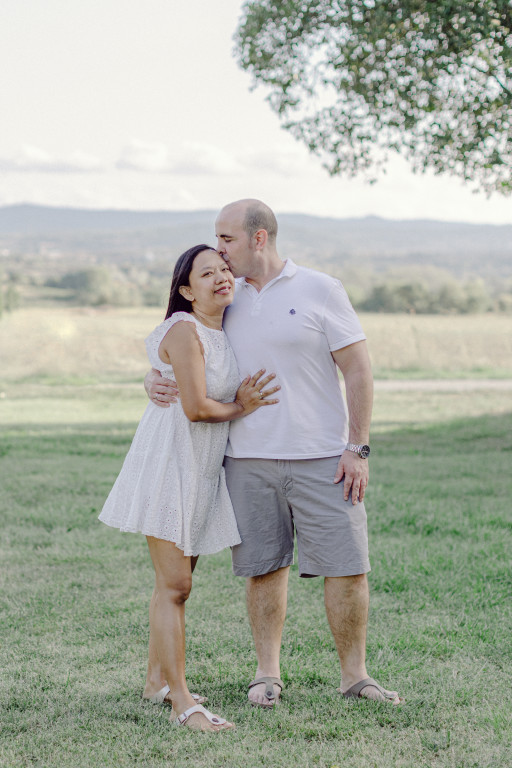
<point x="309" y="570"/>
<point x="261" y="569"/>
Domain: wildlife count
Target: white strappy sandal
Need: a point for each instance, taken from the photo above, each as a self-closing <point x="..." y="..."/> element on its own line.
<point x="214" y="719"/>
<point x="159" y="697"/>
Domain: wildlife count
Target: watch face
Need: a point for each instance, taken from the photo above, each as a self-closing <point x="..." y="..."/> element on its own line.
<point x="364" y="451"/>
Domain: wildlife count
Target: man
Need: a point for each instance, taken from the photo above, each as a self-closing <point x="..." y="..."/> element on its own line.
<point x="299" y="465"/>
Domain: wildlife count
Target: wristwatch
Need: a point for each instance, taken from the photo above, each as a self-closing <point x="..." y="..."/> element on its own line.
<point x="363" y="451"/>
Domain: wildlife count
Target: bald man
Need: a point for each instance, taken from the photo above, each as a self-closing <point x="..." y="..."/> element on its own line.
<point x="301" y="466"/>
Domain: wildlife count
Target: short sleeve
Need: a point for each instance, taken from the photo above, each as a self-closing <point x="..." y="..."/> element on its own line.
<point x="340" y="323"/>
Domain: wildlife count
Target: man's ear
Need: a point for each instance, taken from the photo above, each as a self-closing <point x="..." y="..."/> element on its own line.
<point x="186" y="292"/>
<point x="261" y="238"/>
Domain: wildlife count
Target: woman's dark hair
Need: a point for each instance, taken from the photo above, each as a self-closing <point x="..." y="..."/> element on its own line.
<point x="181" y="275"/>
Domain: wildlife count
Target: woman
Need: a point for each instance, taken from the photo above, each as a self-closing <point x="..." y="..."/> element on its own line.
<point x="171" y="487"/>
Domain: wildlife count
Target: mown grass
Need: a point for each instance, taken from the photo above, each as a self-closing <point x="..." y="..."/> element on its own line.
<point x="74" y="595"/>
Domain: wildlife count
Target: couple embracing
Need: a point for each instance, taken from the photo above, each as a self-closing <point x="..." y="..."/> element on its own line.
<point x="294" y="464"/>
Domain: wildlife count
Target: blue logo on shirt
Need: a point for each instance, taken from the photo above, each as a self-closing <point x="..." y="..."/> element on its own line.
<point x="292" y="312"/>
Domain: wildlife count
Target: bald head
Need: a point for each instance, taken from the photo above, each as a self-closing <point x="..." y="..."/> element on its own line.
<point x="255" y="215"/>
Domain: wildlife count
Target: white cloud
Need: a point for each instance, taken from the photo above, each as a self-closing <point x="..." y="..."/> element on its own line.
<point x="33" y="159"/>
<point x="191" y="158"/>
<point x="283" y="162"/>
<point x="199" y="158"/>
<point x="144" y="156"/>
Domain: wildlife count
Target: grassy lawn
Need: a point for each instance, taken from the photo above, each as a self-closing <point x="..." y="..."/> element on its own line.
<point x="74" y="596"/>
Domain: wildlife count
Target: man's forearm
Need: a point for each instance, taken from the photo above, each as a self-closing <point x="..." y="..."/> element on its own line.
<point x="159" y="390"/>
<point x="359" y="390"/>
<point x="354" y="363"/>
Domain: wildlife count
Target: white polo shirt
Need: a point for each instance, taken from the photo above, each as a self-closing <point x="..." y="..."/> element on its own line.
<point x="290" y="327"/>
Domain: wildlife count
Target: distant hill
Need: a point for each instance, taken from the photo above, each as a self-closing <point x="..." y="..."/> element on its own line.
<point x="374" y="243"/>
<point x="47" y="221"/>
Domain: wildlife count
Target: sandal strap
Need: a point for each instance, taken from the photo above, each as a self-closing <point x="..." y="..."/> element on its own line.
<point x="355" y="690"/>
<point x="214" y="719"/>
<point x="197" y="697"/>
<point x="159" y="697"/>
<point x="269" y="683"/>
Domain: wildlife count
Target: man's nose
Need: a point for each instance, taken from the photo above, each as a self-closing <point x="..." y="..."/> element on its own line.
<point x="221" y="248"/>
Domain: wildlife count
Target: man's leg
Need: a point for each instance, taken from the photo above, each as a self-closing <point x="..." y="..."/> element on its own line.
<point x="263" y="558"/>
<point x="266" y="605"/>
<point x="346" y="604"/>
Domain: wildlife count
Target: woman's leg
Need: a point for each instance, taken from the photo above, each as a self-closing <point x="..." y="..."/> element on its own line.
<point x="155" y="679"/>
<point x="173" y="582"/>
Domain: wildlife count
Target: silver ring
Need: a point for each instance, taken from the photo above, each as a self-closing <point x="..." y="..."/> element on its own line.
<point x="261" y="395"/>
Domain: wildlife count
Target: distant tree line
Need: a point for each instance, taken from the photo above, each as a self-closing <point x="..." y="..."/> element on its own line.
<point x="379" y="293"/>
<point x="415" y="290"/>
<point x="418" y="298"/>
<point x="98" y="286"/>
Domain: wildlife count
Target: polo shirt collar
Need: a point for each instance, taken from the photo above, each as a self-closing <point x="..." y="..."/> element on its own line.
<point x="288" y="270"/>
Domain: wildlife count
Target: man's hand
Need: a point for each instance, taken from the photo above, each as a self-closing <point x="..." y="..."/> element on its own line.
<point x="355" y="472"/>
<point x="159" y="390"/>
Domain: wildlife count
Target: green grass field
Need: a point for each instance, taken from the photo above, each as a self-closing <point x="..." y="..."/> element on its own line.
<point x="74" y="594"/>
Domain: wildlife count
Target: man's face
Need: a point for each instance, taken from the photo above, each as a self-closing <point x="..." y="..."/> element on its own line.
<point x="233" y="242"/>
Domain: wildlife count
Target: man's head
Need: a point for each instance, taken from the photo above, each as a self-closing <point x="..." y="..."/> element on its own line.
<point x="246" y="230"/>
<point x="259" y="216"/>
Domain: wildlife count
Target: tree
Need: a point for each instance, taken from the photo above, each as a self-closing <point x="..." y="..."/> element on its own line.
<point x="12" y="298"/>
<point x="357" y="80"/>
<point x="92" y="286"/>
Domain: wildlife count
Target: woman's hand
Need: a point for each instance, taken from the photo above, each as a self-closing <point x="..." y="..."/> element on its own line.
<point x="251" y="394"/>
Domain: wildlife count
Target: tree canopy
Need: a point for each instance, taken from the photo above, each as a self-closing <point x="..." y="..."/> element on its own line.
<point x="358" y="80"/>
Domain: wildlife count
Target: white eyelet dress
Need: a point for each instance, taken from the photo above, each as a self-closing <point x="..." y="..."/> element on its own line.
<point x="172" y="483"/>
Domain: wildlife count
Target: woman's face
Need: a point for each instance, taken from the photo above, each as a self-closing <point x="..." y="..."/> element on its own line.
<point x="211" y="283"/>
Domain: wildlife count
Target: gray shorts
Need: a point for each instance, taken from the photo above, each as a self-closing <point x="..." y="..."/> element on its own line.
<point x="274" y="497"/>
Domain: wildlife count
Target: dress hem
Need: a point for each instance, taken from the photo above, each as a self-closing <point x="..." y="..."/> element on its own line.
<point x="162" y="538"/>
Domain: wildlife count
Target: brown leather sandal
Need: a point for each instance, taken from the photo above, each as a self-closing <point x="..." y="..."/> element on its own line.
<point x="269" y="683"/>
<point x="355" y="691"/>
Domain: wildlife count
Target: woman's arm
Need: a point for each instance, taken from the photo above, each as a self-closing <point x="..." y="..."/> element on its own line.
<point x="185" y="353"/>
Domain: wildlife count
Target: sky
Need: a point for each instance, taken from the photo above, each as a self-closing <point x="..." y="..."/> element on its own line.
<point x="140" y="104"/>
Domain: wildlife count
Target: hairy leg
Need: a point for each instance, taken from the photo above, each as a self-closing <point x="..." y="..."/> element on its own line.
<point x="346" y="604"/>
<point x="266" y="605"/>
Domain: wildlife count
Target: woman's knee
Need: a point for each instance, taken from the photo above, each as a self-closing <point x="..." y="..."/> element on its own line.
<point x="174" y="590"/>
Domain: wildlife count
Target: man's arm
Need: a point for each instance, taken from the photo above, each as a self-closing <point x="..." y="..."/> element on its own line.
<point x="161" y="391"/>
<point x="354" y="363"/>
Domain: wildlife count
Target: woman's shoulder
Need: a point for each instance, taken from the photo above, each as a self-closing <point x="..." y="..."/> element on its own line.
<point x="169" y="322"/>
<point x="177" y="317"/>
<point x="157" y="335"/>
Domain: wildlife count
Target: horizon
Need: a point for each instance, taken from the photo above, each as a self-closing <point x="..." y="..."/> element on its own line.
<point x="362" y="217"/>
